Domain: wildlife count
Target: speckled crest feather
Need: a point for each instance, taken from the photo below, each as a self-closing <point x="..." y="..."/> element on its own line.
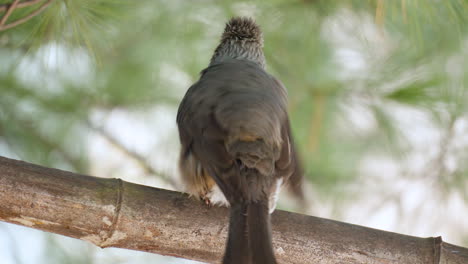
<point x="242" y="39"/>
<point x="243" y="29"/>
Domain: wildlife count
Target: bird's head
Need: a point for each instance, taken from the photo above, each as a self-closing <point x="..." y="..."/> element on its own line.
<point x="241" y="39"/>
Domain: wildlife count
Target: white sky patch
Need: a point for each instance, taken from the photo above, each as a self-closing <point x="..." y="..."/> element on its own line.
<point x="358" y="43"/>
<point x="384" y="218"/>
<point x="178" y="80"/>
<point x="460" y="130"/>
<point x="455" y="66"/>
<point x="245" y="9"/>
<point x="359" y="117"/>
<point x="416" y="126"/>
<point x="413" y="195"/>
<point x="27" y="243"/>
<point x="151" y="133"/>
<point x="382" y="167"/>
<point x="54" y="63"/>
<point x="350" y="59"/>
<point x="207" y="16"/>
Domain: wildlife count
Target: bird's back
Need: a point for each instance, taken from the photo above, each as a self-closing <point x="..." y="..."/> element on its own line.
<point x="241" y="97"/>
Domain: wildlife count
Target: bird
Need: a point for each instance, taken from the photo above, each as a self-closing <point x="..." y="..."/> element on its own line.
<point x="236" y="142"/>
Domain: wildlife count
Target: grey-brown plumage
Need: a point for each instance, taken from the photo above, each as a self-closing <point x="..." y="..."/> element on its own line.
<point x="235" y="134"/>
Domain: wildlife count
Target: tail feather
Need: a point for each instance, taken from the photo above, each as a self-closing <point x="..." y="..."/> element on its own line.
<point x="249" y="240"/>
<point x="259" y="233"/>
<point x="247" y="184"/>
<point x="237" y="247"/>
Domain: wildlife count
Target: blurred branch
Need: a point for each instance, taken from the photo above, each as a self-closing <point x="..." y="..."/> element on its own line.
<point x="114" y="213"/>
<point x="316" y="123"/>
<point x="26" y="3"/>
<point x="139" y="160"/>
<point x="379" y="13"/>
<point x="403" y="11"/>
<point x="24" y="19"/>
<point x="8" y="12"/>
<point x="438" y="168"/>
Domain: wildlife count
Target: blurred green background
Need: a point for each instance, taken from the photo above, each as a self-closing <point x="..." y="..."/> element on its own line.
<point x="378" y="101"/>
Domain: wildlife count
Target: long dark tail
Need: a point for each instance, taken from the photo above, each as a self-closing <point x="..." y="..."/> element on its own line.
<point x="259" y="233"/>
<point x="237" y="247"/>
<point x="249" y="240"/>
<point x="245" y="185"/>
